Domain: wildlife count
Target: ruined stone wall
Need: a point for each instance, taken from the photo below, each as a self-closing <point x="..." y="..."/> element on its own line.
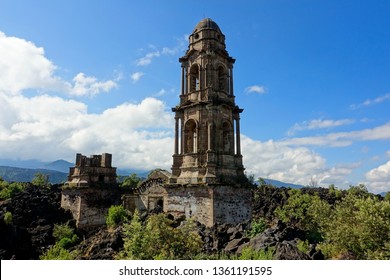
<point x="232" y="204"/>
<point x="89" y="206"/>
<point x="193" y="201"/>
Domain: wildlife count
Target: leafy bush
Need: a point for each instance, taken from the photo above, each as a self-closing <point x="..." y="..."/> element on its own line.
<point x="303" y="246"/>
<point x="157" y="239"/>
<point x="58" y="253"/>
<point x="257" y="227"/>
<point x="40" y="180"/>
<point x="131" y="181"/>
<point x="64" y="235"/>
<point x="116" y="215"/>
<point x="8" y="218"/>
<point x="65" y="238"/>
<point x="305" y="211"/>
<point x="9" y="190"/>
<point x="358" y="227"/>
<point x="249" y="253"/>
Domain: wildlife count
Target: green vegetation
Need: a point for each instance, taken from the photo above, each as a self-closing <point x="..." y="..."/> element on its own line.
<point x="8" y="218"/>
<point x="249" y="253"/>
<point x="357" y="226"/>
<point x="58" y="253"/>
<point x="157" y="239"/>
<point x="9" y="190"/>
<point x="64" y="235"/>
<point x="65" y="238"/>
<point x="305" y="211"/>
<point x="40" y="180"/>
<point x="116" y="214"/>
<point x="257" y="227"/>
<point x="131" y="181"/>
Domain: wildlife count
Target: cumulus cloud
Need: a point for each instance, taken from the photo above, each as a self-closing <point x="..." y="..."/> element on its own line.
<point x="136" y="76"/>
<point x="24" y="66"/>
<point x="45" y="127"/>
<point x="318" y="124"/>
<point x="255" y="89"/>
<point x="299" y="165"/>
<point x="89" y="86"/>
<point x="378" y="179"/>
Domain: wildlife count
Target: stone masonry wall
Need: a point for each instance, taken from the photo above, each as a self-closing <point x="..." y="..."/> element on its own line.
<point x="89" y="206"/>
<point x="232" y="204"/>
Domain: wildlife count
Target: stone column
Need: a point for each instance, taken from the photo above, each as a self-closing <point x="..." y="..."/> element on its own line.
<point x="176" y="135"/>
<point x="238" y="139"/>
<point x="182" y="135"/>
<point x="182" y="80"/>
<point x="231" y="80"/>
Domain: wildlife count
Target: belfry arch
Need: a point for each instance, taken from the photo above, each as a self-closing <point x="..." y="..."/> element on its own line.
<point x="190" y="137"/>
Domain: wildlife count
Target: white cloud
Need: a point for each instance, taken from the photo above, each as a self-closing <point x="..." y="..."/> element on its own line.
<point x="255" y="89"/>
<point x="24" y="66"/>
<point x="136" y="76"/>
<point x="161" y="92"/>
<point x="155" y="52"/>
<point x="370" y="102"/>
<point x="90" y="86"/>
<point x="298" y="165"/>
<point x="318" y="124"/>
<point x="147" y="59"/>
<point x="378" y="179"/>
<point x="343" y="139"/>
<point x="48" y="128"/>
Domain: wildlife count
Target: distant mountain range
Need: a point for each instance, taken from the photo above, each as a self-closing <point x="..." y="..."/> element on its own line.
<point x="280" y="184"/>
<point x="25" y="170"/>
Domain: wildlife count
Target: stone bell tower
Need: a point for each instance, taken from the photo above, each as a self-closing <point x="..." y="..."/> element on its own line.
<point x="207" y="129"/>
<point x="207" y="181"/>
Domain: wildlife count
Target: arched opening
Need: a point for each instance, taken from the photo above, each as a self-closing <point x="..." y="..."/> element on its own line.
<point x="194" y="78"/>
<point x="190" y="137"/>
<point x="222" y="79"/>
<point x="227" y="138"/>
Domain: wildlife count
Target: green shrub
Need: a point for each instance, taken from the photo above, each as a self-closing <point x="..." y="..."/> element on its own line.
<point x="40" y="180"/>
<point x="157" y="239"/>
<point x="8" y="218"/>
<point x="257" y="227"/>
<point x="131" y="181"/>
<point x="249" y="253"/>
<point x="58" y="253"/>
<point x="64" y="236"/>
<point x="358" y="227"/>
<point x="116" y="214"/>
<point x="10" y="190"/>
<point x="305" y="211"/>
<point x="303" y="246"/>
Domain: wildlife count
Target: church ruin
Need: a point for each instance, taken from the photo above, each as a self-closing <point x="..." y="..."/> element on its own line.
<point x="207" y="181"/>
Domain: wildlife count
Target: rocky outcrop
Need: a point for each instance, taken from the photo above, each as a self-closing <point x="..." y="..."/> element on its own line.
<point x="102" y="244"/>
<point x="34" y="213"/>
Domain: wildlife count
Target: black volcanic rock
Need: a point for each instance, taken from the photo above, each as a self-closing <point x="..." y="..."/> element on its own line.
<point x="34" y="213"/>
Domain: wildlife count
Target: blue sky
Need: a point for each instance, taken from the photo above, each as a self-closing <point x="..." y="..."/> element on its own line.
<point x="90" y="77"/>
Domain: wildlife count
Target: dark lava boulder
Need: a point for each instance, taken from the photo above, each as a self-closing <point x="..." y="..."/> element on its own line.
<point x="34" y="213"/>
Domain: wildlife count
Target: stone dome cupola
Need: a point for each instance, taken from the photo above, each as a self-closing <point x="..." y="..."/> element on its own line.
<point x="207" y="32"/>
